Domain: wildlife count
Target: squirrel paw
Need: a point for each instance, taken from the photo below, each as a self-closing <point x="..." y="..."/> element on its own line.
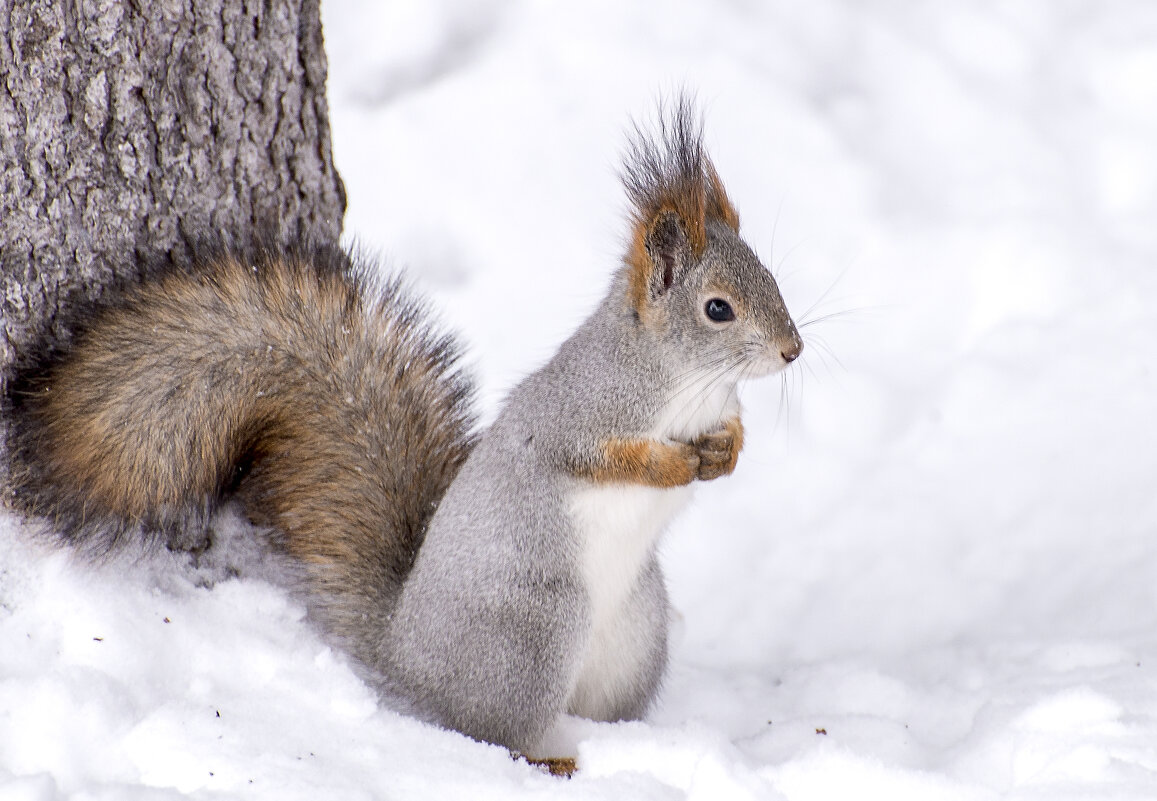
<point x="690" y="463"/>
<point x="719" y="450"/>
<point x="564" y="767"/>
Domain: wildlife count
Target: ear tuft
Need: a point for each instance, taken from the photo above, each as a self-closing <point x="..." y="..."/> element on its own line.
<point x="672" y="186"/>
<point x="718" y="204"/>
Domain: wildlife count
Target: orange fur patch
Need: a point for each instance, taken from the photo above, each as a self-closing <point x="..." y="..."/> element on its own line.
<point x="647" y="462"/>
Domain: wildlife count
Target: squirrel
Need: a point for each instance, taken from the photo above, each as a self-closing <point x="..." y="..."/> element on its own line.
<point x="487" y="582"/>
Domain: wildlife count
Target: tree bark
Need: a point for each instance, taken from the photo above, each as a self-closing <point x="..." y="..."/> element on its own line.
<point x="132" y="127"/>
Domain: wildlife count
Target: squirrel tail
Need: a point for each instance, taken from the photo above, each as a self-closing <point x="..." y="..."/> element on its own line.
<point x="286" y="377"/>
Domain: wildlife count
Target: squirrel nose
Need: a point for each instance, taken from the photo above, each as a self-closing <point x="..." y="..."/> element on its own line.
<point x="792" y="350"/>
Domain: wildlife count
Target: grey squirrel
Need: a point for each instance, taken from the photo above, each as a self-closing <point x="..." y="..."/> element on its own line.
<point x="486" y="582"/>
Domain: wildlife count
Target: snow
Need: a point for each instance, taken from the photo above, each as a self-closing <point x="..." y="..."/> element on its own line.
<point x="934" y="573"/>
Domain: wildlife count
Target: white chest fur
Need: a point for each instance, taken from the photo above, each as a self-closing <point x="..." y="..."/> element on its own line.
<point x="618" y="526"/>
<point x="619" y="523"/>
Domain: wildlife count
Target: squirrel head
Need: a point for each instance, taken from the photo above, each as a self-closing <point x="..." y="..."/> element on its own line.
<point x="691" y="279"/>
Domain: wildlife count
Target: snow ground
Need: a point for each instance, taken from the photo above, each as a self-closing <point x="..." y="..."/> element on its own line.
<point x="932" y="576"/>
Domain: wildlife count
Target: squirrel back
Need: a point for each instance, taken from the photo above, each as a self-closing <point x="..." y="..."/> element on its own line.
<point x="289" y="378"/>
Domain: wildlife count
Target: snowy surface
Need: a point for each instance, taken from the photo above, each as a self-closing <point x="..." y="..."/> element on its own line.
<point x="934" y="574"/>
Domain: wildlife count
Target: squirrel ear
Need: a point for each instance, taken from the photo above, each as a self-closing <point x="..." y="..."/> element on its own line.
<point x="669" y="251"/>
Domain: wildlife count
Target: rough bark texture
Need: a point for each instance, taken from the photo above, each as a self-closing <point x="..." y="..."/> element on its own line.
<point x="133" y="126"/>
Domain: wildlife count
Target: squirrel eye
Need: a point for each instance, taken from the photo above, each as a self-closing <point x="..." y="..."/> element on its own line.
<point x="719" y="310"/>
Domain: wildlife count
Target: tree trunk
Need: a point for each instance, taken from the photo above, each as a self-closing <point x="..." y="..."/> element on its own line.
<point x="133" y="126"/>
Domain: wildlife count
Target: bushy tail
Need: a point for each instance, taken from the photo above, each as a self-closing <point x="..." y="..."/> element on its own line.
<point x="289" y="379"/>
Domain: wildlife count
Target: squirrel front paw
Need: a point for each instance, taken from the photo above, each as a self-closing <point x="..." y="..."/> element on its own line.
<point x="719" y="450"/>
